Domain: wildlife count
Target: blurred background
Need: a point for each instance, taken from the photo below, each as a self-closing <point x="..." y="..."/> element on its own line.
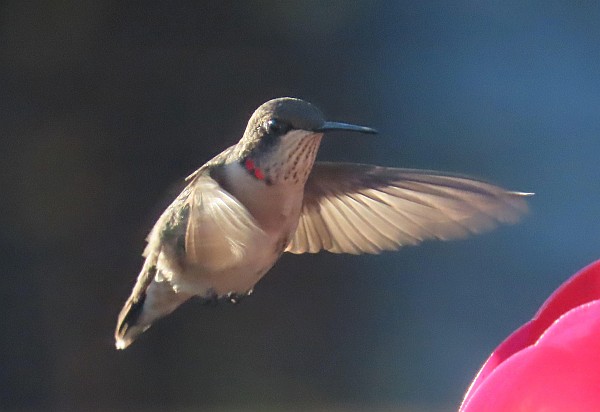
<point x="106" y="105"/>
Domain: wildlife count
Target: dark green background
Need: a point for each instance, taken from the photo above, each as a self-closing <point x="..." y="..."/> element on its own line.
<point x="106" y="105"/>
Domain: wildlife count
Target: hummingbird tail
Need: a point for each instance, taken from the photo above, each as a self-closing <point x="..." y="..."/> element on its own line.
<point x="128" y="328"/>
<point x="143" y="308"/>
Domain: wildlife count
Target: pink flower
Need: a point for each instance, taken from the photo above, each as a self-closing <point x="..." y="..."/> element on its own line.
<point x="552" y="363"/>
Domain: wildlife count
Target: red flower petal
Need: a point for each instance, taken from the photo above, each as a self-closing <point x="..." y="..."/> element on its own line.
<point x="559" y="373"/>
<point x="581" y="288"/>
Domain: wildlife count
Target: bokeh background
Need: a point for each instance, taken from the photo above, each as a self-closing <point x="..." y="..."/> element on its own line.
<point x="106" y="105"/>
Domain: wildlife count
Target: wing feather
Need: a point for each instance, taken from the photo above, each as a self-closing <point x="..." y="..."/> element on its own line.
<point x="220" y="229"/>
<point x="353" y="208"/>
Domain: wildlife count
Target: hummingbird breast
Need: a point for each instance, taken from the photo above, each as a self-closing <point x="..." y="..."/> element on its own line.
<point x="276" y="207"/>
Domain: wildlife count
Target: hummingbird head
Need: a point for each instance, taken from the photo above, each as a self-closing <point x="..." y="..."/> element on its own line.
<point x="282" y="138"/>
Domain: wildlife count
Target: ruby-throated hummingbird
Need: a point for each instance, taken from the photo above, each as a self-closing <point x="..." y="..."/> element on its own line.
<point x="266" y="195"/>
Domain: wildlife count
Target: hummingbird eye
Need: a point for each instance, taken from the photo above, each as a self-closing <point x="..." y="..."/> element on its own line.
<point x="276" y="127"/>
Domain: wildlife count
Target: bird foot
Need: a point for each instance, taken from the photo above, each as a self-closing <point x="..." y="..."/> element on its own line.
<point x="234" y="297"/>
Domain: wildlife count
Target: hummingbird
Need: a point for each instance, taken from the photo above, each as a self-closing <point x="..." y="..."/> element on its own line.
<point x="267" y="195"/>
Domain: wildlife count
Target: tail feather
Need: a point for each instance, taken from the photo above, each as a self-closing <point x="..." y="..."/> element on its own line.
<point x="144" y="306"/>
<point x="128" y="328"/>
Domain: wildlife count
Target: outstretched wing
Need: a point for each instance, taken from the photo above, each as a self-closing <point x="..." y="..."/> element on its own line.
<point x="354" y="208"/>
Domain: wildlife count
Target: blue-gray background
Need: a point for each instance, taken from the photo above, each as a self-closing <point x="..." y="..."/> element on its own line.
<point x="105" y="105"/>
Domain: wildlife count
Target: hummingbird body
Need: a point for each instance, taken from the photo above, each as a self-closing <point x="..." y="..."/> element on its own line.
<point x="266" y="195"/>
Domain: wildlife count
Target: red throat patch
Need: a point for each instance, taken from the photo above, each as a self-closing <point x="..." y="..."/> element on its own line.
<point x="251" y="167"/>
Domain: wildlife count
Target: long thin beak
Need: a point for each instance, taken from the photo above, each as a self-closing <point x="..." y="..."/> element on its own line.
<point x="331" y="126"/>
